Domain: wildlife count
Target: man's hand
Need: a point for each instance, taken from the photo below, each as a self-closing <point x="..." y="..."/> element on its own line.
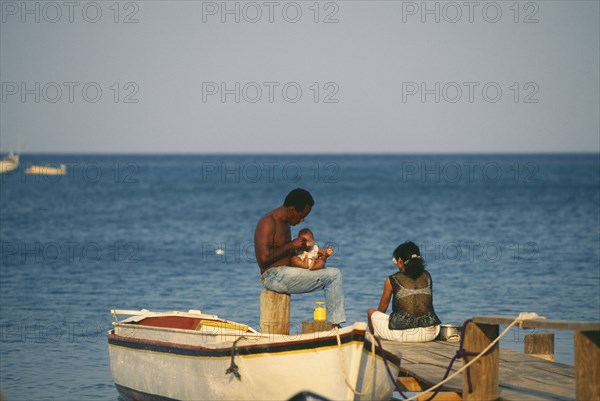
<point x="299" y="243"/>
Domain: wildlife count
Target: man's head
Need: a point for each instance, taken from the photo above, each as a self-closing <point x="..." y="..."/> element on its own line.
<point x="299" y="203"/>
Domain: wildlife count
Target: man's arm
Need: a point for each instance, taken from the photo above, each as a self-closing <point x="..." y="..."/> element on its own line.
<point x="264" y="247"/>
<point x="297" y="262"/>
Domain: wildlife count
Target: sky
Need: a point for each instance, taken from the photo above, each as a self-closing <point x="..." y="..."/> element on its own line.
<point x="300" y="76"/>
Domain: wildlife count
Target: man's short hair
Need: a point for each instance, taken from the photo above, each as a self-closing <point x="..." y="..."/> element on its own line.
<point x="299" y="198"/>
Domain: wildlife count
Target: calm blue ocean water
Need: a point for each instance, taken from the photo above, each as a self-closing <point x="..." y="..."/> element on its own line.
<point x="501" y="234"/>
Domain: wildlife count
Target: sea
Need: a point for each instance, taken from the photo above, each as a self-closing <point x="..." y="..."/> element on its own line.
<point x="501" y="234"/>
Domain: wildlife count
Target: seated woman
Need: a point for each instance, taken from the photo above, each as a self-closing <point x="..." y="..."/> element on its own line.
<point x="413" y="318"/>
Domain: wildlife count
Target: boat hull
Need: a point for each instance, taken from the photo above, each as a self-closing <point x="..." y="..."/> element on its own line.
<point x="150" y="363"/>
<point x="46" y="170"/>
<point x="7" y="166"/>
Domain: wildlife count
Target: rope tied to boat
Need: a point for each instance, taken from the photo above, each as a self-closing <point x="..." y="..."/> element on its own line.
<point x="389" y="371"/>
<point x="463" y="354"/>
<point x="367" y="386"/>
<point x="233" y="367"/>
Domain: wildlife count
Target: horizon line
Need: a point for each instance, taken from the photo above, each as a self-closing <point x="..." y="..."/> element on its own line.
<point x="283" y="153"/>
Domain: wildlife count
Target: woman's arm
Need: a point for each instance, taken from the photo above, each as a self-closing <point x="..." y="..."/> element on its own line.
<point x="386" y="296"/>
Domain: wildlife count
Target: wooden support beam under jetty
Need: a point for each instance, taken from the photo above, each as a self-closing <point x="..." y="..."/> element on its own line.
<point x="587" y="364"/>
<point x="482" y="385"/>
<point x="316" y="326"/>
<point x="540" y="345"/>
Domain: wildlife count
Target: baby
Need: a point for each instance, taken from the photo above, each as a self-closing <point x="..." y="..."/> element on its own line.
<point x="314" y="258"/>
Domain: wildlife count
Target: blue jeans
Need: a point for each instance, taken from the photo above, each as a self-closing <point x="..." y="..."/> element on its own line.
<point x="295" y="280"/>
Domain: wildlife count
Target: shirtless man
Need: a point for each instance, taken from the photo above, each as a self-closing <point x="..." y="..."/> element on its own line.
<point x="274" y="247"/>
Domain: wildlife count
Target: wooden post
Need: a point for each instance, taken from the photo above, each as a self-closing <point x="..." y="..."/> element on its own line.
<point x="587" y="369"/>
<point x="485" y="373"/>
<point x="540" y="346"/>
<point x="274" y="312"/>
<point x="315" y="326"/>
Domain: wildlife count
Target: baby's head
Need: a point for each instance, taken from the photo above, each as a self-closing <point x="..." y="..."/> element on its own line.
<point x="308" y="236"/>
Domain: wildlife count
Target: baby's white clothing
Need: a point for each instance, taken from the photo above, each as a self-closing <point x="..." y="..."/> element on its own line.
<point x="312" y="255"/>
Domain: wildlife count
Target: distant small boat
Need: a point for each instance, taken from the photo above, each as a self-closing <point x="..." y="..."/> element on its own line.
<point x="9" y="163"/>
<point x="47" y="170"/>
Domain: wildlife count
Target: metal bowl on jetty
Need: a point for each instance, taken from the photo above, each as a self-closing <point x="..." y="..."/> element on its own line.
<point x="450" y="332"/>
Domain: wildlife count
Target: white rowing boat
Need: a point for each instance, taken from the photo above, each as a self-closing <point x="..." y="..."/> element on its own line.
<point x="47" y="170"/>
<point x="195" y="356"/>
<point x="9" y="163"/>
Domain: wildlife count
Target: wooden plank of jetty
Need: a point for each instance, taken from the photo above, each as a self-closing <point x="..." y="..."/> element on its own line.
<point x="586" y="346"/>
<point x="522" y="377"/>
<point x="548" y="324"/>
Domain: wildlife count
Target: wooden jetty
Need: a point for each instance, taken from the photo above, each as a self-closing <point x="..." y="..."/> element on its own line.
<point x="504" y="374"/>
<point x="498" y="375"/>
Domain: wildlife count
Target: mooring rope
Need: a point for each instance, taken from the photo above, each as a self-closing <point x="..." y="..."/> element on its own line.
<point x="462" y="353"/>
<point x="233" y="367"/>
<point x="389" y="371"/>
<point x="367" y="386"/>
